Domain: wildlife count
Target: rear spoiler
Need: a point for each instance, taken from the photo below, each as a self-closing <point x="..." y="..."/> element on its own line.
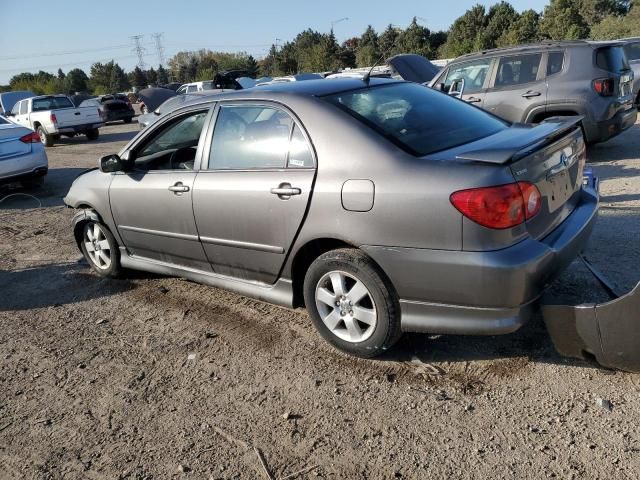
<point x="533" y="137"/>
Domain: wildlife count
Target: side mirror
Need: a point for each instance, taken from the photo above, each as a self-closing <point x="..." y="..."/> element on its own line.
<point x="111" y="163"/>
<point x="457" y="88"/>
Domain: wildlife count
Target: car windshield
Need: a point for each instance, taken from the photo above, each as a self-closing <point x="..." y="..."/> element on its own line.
<point x="416" y="118"/>
<point x="50" y="103"/>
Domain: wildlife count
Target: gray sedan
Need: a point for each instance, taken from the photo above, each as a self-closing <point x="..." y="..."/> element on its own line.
<point x="379" y="205"/>
<point x="22" y="155"/>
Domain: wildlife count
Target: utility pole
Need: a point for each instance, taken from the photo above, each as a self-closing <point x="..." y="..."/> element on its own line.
<point x="335" y="22"/>
<point x="138" y="49"/>
<point x="157" y="37"/>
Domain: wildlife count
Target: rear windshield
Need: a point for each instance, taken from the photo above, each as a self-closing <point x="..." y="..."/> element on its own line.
<point x="50" y="103"/>
<point x="612" y="59"/>
<point x="416" y="118"/>
<point x="633" y="51"/>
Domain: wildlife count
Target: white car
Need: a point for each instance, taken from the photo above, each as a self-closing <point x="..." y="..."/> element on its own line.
<point x="55" y="115"/>
<point x="22" y="155"/>
<point x="196" y="87"/>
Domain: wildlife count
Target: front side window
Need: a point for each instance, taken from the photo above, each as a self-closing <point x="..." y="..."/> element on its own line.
<point x="250" y="137"/>
<point x="554" y="63"/>
<point x="174" y="146"/>
<point x="419" y="120"/>
<point x="473" y="73"/>
<point x="518" y="70"/>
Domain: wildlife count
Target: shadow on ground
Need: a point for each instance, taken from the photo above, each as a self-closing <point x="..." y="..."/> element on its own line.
<point x="56" y="185"/>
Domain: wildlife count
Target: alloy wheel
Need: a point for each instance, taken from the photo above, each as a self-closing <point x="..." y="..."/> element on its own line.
<point x="97" y="246"/>
<point x="346" y="306"/>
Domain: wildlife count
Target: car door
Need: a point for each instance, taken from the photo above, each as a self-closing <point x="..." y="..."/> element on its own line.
<point x="152" y="204"/>
<point x="251" y="194"/>
<point x="19" y="113"/>
<point x="475" y="74"/>
<point x="517" y="87"/>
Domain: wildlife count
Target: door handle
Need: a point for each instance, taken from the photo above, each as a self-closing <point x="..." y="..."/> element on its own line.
<point x="178" y="188"/>
<point x="531" y="94"/>
<point x="473" y="100"/>
<point x="285" y="190"/>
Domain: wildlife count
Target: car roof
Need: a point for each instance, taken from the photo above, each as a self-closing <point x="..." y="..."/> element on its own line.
<point x="546" y="45"/>
<point x="307" y="88"/>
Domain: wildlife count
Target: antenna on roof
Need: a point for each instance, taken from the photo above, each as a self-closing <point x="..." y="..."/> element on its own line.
<point x="367" y="76"/>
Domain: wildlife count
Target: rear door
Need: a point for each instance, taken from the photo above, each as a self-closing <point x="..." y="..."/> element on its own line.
<point x="475" y="74"/>
<point x="251" y="194"/>
<point x="517" y="87"/>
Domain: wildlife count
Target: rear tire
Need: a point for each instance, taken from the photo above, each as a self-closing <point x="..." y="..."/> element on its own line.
<point x="352" y="303"/>
<point x="100" y="249"/>
<point x="45" y="138"/>
<point x="128" y="119"/>
<point x="93" y="134"/>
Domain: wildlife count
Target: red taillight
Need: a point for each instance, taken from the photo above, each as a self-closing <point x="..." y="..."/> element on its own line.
<point x="32" y="137"/>
<point x="603" y="86"/>
<point x="53" y="118"/>
<point x="499" y="207"/>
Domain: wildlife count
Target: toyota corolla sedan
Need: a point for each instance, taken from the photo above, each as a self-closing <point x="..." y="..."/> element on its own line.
<point x="379" y="205"/>
<point x="22" y="155"/>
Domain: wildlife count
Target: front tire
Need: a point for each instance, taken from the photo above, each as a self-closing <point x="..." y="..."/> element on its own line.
<point x="100" y="249"/>
<point x="93" y="134"/>
<point x="351" y="303"/>
<point x="45" y="138"/>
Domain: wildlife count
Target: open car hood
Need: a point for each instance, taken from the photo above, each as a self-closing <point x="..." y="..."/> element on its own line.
<point x="413" y="68"/>
<point x="154" y="97"/>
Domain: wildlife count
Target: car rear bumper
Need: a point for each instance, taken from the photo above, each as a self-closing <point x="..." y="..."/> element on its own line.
<point x="605" y="130"/>
<point x="78" y="128"/>
<point x="119" y="115"/>
<point x="489" y="293"/>
<point x="24" y="167"/>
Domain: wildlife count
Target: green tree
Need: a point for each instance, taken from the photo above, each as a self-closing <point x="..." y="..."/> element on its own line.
<point x="562" y="20"/>
<point x="163" y="77"/>
<point x="152" y="76"/>
<point x="594" y="11"/>
<point x="387" y="40"/>
<point x="500" y="19"/>
<point x="137" y="78"/>
<point x="618" y="26"/>
<point x="60" y="74"/>
<point x="523" y="30"/>
<point x="413" y="39"/>
<point x="464" y="33"/>
<point x="366" y="48"/>
<point x="107" y="78"/>
<point x="76" y="81"/>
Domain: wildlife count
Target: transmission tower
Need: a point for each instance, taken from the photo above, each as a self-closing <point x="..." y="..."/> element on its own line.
<point x="138" y="49"/>
<point x="157" y="37"/>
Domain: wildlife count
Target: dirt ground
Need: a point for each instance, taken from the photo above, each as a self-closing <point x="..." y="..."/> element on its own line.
<point x="151" y="377"/>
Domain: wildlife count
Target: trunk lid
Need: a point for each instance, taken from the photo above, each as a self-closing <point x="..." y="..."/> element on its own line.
<point x="556" y="170"/>
<point x="10" y="144"/>
<point x="550" y="155"/>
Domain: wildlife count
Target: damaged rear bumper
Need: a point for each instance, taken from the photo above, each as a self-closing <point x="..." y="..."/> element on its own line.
<point x="609" y="331"/>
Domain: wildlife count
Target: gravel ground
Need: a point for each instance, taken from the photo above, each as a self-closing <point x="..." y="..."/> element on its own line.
<point x="152" y="377"/>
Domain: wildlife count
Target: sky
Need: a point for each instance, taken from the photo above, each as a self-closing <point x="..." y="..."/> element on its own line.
<point x="46" y="35"/>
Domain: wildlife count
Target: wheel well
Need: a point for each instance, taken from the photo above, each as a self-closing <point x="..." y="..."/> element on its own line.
<point x="560" y="113"/>
<point x="36" y="125"/>
<point x="77" y="228"/>
<point x="304" y="258"/>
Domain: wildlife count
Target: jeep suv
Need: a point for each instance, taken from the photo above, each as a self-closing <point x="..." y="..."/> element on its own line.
<point x="632" y="49"/>
<point x="530" y="83"/>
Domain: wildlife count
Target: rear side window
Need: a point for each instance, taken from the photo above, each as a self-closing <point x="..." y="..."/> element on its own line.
<point x="419" y="120"/>
<point x="473" y="73"/>
<point x="250" y="137"/>
<point x="554" y="63"/>
<point x="299" y="151"/>
<point x="518" y="70"/>
<point x="633" y="51"/>
<point x="50" y="103"/>
<point x="612" y="59"/>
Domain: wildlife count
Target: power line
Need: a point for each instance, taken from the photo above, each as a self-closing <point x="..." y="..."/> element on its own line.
<point x="138" y="49"/>
<point x="73" y="64"/>
<point x="66" y="52"/>
<point x="159" y="48"/>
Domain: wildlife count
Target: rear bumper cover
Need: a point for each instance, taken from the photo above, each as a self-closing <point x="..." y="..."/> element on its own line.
<point x="479" y="293"/>
<point x="24" y="167"/>
<point x="79" y="128"/>
<point x="608" y="331"/>
<point x="607" y="129"/>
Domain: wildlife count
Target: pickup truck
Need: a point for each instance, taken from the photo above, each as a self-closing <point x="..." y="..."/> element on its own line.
<point x="54" y="115"/>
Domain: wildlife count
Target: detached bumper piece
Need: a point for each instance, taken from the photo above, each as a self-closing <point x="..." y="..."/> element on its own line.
<point x="609" y="331"/>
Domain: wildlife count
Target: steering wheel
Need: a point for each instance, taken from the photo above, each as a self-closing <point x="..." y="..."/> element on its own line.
<point x="180" y="157"/>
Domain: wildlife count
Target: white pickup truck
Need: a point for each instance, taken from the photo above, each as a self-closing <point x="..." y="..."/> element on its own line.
<point x="55" y="115"/>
